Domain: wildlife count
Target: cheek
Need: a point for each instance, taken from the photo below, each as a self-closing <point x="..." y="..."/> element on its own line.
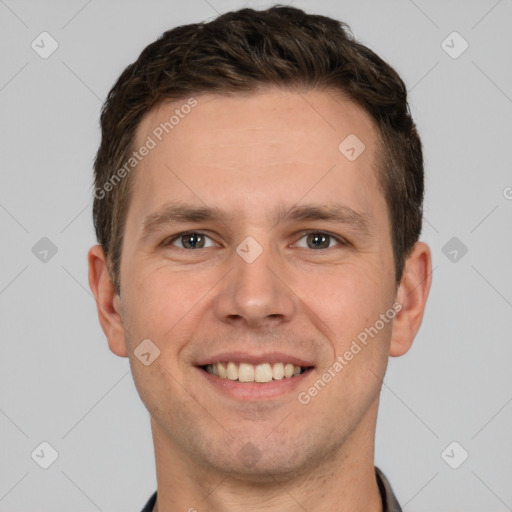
<point x="160" y="309"/>
<point x="347" y="299"/>
<point x="166" y="306"/>
<point x="161" y="390"/>
<point x="157" y="298"/>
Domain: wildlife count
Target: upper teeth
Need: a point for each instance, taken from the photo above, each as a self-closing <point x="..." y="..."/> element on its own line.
<point x="245" y="372"/>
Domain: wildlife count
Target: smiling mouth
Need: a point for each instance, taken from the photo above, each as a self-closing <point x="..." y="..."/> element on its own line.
<point x="245" y="372"/>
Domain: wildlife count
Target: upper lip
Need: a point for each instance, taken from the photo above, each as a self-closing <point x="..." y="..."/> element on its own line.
<point x="254" y="358"/>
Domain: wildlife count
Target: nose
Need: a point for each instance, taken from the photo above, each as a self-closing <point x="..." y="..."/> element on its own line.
<point x="255" y="293"/>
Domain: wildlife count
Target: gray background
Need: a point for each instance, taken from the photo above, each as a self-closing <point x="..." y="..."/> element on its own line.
<point x="59" y="381"/>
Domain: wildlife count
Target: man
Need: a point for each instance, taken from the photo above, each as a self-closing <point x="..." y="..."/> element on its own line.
<point x="258" y="203"/>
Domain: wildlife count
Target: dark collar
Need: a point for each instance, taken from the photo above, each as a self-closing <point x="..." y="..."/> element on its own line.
<point x="389" y="501"/>
<point x="150" y="504"/>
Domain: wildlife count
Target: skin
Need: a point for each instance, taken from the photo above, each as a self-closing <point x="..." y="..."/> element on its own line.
<point x="246" y="155"/>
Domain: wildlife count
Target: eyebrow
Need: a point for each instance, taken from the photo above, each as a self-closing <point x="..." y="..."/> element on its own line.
<point x="178" y="212"/>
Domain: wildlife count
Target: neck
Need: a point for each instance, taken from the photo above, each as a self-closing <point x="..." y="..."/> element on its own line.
<point x="344" y="482"/>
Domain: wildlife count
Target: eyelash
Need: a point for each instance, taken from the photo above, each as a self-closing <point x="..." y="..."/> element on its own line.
<point x="342" y="242"/>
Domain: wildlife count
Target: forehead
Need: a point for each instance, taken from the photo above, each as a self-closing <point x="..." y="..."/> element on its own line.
<point x="246" y="150"/>
<point x="275" y="116"/>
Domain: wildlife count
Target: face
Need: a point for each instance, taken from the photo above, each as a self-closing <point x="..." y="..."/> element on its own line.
<point x="252" y="239"/>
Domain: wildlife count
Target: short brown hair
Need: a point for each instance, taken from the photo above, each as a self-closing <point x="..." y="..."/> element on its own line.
<point x="241" y="52"/>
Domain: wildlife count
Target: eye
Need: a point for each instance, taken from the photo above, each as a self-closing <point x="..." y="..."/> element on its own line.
<point x="198" y="240"/>
<point x="320" y="240"/>
<point x="191" y="240"/>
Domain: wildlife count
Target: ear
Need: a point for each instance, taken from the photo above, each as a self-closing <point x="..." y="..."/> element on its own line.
<point x="412" y="296"/>
<point x="108" y="303"/>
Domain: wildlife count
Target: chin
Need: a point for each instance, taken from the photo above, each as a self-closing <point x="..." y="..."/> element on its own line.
<point x="268" y="460"/>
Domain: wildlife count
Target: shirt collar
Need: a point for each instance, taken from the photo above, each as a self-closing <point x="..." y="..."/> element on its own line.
<point x="389" y="501"/>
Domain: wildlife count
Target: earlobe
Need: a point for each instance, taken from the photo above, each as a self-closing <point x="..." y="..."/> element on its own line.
<point x="108" y="303"/>
<point x="412" y="296"/>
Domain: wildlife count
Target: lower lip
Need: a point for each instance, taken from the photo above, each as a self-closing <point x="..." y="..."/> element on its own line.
<point x="254" y="391"/>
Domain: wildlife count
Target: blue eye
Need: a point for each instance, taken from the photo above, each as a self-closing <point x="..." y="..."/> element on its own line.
<point x="191" y="240"/>
<point x="320" y="240"/>
<point x="197" y="240"/>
